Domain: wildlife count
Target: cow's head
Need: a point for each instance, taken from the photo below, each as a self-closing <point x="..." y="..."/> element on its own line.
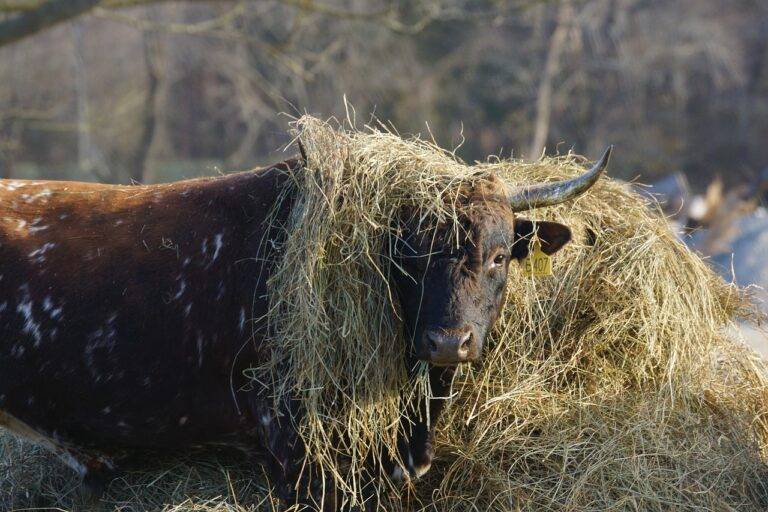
<point x="451" y="279"/>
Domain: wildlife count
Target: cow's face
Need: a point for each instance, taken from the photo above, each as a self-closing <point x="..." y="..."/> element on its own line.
<point x="451" y="279"/>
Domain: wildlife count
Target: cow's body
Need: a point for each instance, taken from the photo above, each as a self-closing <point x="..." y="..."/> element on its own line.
<point x="126" y="312"/>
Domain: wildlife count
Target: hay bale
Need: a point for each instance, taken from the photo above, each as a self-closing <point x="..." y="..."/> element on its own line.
<point x="610" y="385"/>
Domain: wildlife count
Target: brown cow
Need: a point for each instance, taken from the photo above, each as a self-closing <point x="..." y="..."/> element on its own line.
<point x="126" y="312"/>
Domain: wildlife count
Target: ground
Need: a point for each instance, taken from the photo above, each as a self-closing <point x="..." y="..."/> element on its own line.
<point x="32" y="479"/>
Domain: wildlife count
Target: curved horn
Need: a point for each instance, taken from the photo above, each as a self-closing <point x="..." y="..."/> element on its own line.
<point x="549" y="194"/>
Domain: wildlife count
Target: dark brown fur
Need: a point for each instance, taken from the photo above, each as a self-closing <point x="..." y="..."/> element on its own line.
<point x="125" y="310"/>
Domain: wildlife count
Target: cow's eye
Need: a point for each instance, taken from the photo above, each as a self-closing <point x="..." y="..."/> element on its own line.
<point x="499" y="259"/>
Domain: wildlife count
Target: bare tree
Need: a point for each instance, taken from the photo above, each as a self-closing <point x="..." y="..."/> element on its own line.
<point x="551" y="68"/>
<point x="138" y="165"/>
<point x="90" y="159"/>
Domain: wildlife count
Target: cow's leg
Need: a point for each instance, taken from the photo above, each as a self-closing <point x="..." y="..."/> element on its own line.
<point x="294" y="480"/>
<point x="417" y="450"/>
<point x="95" y="472"/>
<point x="414" y="450"/>
<point x="98" y="475"/>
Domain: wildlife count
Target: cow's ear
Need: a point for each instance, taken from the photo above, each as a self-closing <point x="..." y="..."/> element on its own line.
<point x="553" y="236"/>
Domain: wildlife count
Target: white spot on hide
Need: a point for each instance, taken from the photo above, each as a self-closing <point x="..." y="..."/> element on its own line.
<point x="56" y="313"/>
<point x="38" y="255"/>
<point x="35" y="226"/>
<point x="199" y="350"/>
<point x="42" y="195"/>
<point x="100" y="339"/>
<point x="218" y="243"/>
<point x="182" y="288"/>
<point x="31" y="326"/>
<point x="73" y="463"/>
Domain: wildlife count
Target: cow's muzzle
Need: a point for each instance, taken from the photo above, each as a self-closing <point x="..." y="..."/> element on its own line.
<point x="450" y="346"/>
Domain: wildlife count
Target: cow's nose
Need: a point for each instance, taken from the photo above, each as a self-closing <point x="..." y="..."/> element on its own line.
<point x="449" y="346"/>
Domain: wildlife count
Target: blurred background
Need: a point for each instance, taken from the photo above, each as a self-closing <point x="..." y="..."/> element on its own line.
<point x="167" y="89"/>
<point x="157" y="90"/>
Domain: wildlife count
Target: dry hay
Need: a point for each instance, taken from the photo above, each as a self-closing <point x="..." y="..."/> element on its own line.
<point x="611" y="385"/>
<point x="604" y="386"/>
<point x="33" y="479"/>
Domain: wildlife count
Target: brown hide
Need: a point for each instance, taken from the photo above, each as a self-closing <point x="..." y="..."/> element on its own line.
<point x="125" y="311"/>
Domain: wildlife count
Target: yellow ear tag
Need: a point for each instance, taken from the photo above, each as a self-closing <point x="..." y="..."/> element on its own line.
<point x="537" y="264"/>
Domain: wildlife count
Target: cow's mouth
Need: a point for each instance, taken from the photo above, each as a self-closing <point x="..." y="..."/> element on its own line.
<point x="425" y="356"/>
<point x="447" y="365"/>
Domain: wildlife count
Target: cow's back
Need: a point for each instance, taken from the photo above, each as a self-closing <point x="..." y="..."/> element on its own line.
<point x="125" y="311"/>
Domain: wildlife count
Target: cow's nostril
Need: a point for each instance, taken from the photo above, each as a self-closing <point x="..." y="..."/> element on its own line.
<point x="466" y="341"/>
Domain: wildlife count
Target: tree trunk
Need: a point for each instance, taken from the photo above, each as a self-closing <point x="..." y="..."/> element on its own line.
<point x="90" y="159"/>
<point x="139" y="164"/>
<point x="10" y="126"/>
<point x="551" y="68"/>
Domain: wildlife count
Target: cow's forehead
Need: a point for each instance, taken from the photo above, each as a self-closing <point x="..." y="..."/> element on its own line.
<point x="490" y="219"/>
<point x="486" y="205"/>
<point x="479" y="221"/>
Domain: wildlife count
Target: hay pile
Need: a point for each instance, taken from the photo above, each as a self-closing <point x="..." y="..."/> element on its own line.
<point x="610" y="385"/>
<point x="613" y="384"/>
<point x="34" y="479"/>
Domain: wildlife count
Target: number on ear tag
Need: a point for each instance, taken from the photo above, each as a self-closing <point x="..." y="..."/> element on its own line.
<point x="537" y="264"/>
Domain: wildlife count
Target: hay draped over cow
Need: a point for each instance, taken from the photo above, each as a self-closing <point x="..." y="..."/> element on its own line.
<point x="610" y="384"/>
<point x="333" y="315"/>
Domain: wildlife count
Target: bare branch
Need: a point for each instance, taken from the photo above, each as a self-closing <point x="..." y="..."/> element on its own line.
<point x="17" y="6"/>
<point x="26" y="17"/>
<point x="48" y="14"/>
<point x="217" y="28"/>
<point x="328" y="10"/>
